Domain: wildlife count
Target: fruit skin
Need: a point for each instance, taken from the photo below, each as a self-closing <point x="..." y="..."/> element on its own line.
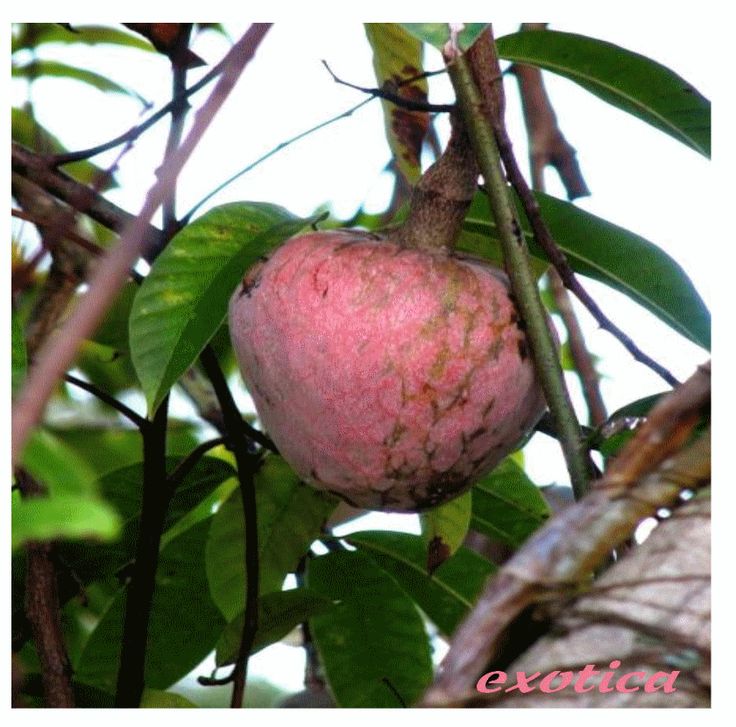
<point x="392" y="377"/>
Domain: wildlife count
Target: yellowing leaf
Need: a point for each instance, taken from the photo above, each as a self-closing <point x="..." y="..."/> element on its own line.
<point x="397" y="56"/>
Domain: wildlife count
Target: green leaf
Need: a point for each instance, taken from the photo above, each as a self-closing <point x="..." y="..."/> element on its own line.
<point x="607" y="253"/>
<point x="397" y="55"/>
<point x="437" y="34"/>
<point x="290" y="515"/>
<point x="184" y="298"/>
<point x="62" y="517"/>
<point x="507" y="505"/>
<point x="609" y="437"/>
<point x="372" y="643"/>
<point x="629" y="81"/>
<point x="31" y="35"/>
<point x="184" y="623"/>
<point x="18" y="360"/>
<point x="39" y="68"/>
<point x="157" y="699"/>
<point x="110" y="369"/>
<point x="448" y="594"/>
<point x="638" y="408"/>
<point x="122" y="488"/>
<point x="278" y="614"/>
<point x="444" y="529"/>
<point x="28" y="132"/>
<point x="47" y="459"/>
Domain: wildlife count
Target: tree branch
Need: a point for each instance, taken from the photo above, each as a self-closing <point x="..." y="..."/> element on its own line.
<point x="247" y="464"/>
<point x="547" y="144"/>
<point x="139" y="598"/>
<point x="190" y="462"/>
<point x="35" y="168"/>
<point x="132" y="134"/>
<point x="582" y="359"/>
<point x="386" y="92"/>
<point x="178" y="117"/>
<point x="58" y="353"/>
<point x="480" y="113"/>
<point x="43" y="614"/>
<point x="558" y="259"/>
<point x="141" y="422"/>
<point x="562" y="554"/>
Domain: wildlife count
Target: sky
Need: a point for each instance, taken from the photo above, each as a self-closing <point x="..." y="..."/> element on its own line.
<point x="640" y="178"/>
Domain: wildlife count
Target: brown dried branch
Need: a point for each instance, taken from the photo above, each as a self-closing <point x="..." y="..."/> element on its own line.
<point x="59" y="352"/>
<point x="650" y="612"/>
<point x="572" y="545"/>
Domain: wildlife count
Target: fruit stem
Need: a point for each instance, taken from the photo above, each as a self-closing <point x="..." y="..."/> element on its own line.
<point x="516" y="260"/>
<point x="442" y="196"/>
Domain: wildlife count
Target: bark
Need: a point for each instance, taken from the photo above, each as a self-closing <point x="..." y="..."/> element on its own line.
<point x="651" y="611"/>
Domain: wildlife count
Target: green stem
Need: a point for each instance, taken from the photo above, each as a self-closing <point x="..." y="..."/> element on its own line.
<point x="523" y="280"/>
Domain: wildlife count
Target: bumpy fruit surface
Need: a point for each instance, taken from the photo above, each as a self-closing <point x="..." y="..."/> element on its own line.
<point x="392" y="377"/>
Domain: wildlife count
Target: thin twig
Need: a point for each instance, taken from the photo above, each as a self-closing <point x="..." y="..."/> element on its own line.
<point x="184" y="467"/>
<point x="176" y="129"/>
<point x="132" y="134"/>
<point x="386" y="93"/>
<point x="247" y="463"/>
<point x="58" y="353"/>
<point x="313" y="678"/>
<point x="141" y="422"/>
<point x="480" y="113"/>
<point x="185" y="219"/>
<point x="581" y="356"/>
<point x="543" y="236"/>
<point x="70" y="235"/>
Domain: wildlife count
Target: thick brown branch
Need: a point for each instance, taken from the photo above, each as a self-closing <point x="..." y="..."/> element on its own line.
<point x="653" y="605"/>
<point x="560" y="556"/>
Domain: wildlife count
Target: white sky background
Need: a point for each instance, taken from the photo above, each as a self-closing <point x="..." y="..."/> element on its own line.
<point x="640" y="178"/>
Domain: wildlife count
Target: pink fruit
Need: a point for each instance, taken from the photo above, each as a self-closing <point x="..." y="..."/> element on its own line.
<point x="392" y="377"/>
